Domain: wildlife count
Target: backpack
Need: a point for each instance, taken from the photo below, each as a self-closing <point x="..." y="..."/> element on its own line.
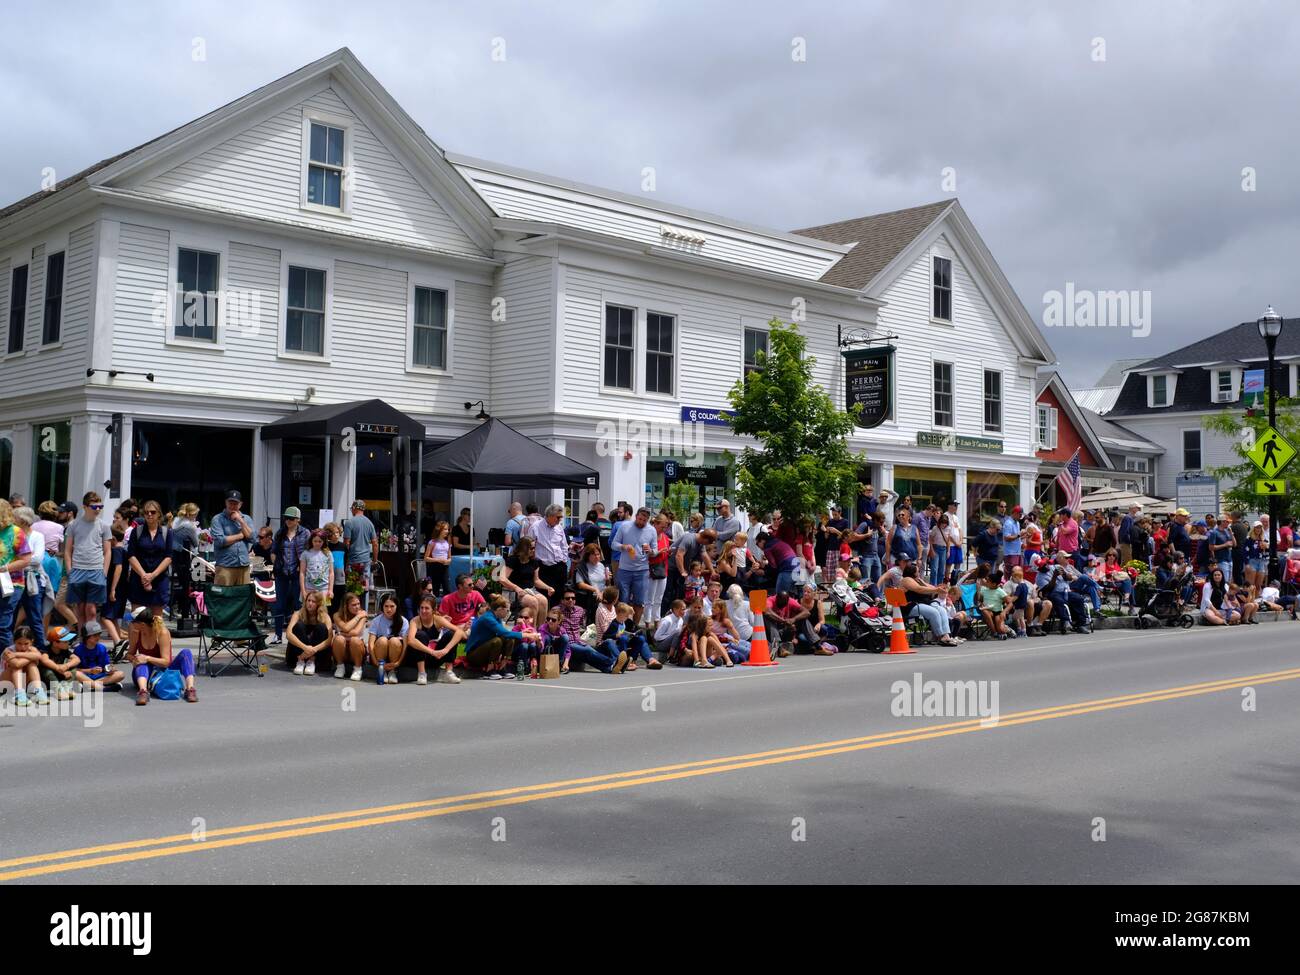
<point x="167" y="685"/>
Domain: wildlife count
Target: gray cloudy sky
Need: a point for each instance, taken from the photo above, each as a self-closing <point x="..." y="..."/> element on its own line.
<point x="1115" y="174"/>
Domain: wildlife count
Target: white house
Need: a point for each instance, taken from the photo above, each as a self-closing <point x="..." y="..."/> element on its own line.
<point x="309" y="245"/>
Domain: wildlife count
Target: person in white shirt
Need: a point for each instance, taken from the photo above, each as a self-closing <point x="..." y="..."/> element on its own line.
<point x="669" y="631"/>
<point x="742" y="617"/>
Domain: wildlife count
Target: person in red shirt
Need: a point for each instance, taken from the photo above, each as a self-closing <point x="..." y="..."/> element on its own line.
<point x="462" y="604"/>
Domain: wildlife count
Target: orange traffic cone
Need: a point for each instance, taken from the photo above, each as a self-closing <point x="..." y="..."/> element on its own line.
<point x="898" y="635"/>
<point x="760" y="655"/>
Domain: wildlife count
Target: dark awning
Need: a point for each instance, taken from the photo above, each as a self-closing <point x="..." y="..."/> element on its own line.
<point x="496" y="457"/>
<point x="371" y="416"/>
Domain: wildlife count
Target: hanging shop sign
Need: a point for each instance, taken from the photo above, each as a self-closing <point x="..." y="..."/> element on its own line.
<point x="868" y="379"/>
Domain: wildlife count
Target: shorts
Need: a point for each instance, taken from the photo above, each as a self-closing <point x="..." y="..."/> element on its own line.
<point x="1258" y="565"/>
<point x="633" y="587"/>
<point x="87" y="586"/>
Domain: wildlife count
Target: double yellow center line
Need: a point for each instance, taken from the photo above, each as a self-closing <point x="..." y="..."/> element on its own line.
<point x="284" y="829"/>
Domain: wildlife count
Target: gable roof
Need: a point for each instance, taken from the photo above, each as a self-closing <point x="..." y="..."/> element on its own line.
<point x="1054" y="382"/>
<point x="465" y="205"/>
<point x="1241" y="343"/>
<point x="1117" y="437"/>
<point x="1099" y="399"/>
<point x="878" y="239"/>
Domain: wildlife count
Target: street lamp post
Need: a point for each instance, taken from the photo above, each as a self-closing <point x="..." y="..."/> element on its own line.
<point x="1270" y="327"/>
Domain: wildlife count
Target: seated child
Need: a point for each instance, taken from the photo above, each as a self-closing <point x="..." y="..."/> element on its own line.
<point x="20" y="666"/>
<point x="617" y="638"/>
<point x="59" y="663"/>
<point x="992" y="603"/>
<point x="528" y="648"/>
<point x="95" y="669"/>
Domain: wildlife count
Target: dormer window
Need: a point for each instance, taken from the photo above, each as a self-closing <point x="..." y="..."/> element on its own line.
<point x="1161" y="394"/>
<point x="1223" y="389"/>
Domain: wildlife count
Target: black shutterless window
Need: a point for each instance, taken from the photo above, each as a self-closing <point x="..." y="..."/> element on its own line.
<point x="53" y="299"/>
<point x="942" y="309"/>
<point x="305" y="314"/>
<point x="17" y="308"/>
<point x="196" y="283"/>
<point x="620" y="339"/>
<point x="659" y="340"/>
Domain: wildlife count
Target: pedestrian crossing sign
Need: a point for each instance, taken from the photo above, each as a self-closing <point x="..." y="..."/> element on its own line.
<point x="1271" y="452"/>
<point x="1275" y="489"/>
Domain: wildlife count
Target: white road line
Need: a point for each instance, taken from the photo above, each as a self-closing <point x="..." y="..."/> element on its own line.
<point x="1034" y="645"/>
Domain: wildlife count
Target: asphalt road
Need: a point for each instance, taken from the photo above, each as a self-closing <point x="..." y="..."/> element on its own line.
<point x="639" y="778"/>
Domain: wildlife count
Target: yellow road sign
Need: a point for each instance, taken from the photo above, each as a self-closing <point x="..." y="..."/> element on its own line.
<point x="1271" y="452"/>
<point x="1270" y="488"/>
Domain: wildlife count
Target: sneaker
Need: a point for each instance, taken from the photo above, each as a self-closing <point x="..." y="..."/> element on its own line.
<point x="191" y="695"/>
<point x="391" y="676"/>
<point x="20" y="699"/>
<point x="422" y="679"/>
<point x="299" y="669"/>
<point x="65" y="693"/>
<point x="356" y="672"/>
<point x="620" y="664"/>
<point x="495" y="675"/>
<point x="141" y="698"/>
<point x="41" y="696"/>
<point x="310" y="671"/>
<point x="446" y="677"/>
<point x="275" y="641"/>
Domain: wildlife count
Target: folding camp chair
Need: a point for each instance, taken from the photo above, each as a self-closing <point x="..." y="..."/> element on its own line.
<point x="227" y="625"/>
<point x="975" y="624"/>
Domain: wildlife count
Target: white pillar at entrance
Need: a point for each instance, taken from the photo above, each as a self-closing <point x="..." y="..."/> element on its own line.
<point x="959" y="494"/>
<point x="886" y="479"/>
<point x="1027" y="485"/>
<point x="20" y="474"/>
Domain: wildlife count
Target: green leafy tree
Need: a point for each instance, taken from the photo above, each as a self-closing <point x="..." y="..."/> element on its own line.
<point x="1243" y="475"/>
<point x="682" y="498"/>
<point x="804" y="463"/>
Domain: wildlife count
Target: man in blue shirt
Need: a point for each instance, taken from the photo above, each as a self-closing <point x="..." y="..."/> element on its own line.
<point x="988" y="544"/>
<point x="1054" y="584"/>
<point x="514" y="529"/>
<point x="231" y="533"/>
<point x="1011" y="533"/>
<point x="1221" y="544"/>
<point x="634" y="541"/>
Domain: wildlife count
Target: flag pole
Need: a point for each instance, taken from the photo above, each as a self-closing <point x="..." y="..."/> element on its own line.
<point x="1051" y="485"/>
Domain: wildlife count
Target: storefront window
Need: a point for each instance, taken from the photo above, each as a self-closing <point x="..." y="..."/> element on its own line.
<point x="925" y="485"/>
<point x="51" y="452"/>
<point x="711" y="479"/>
<point x="984" y="489"/>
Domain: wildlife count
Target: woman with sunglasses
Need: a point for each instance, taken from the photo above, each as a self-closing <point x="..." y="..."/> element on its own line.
<point x="149" y="554"/>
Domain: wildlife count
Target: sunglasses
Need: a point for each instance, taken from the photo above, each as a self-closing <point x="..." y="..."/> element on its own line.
<point x="569" y="599"/>
<point x="95" y="507"/>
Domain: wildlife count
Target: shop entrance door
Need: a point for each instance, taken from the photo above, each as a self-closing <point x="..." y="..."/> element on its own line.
<point x="302" y="479"/>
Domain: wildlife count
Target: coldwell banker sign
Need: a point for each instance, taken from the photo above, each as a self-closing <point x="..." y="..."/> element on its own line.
<point x="867" y="384"/>
<point x="700" y="414"/>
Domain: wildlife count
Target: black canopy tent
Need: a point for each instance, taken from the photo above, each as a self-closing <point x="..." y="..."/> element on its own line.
<point x="371" y="417"/>
<point x="494" y="456"/>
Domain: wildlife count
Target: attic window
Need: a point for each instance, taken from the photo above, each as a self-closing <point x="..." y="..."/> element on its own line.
<point x="326" y="144"/>
<point x="1160" y="390"/>
<point x="942" y="304"/>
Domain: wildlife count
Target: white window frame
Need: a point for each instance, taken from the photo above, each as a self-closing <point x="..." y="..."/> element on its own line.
<point x="1182" y="447"/>
<point x="640" y="307"/>
<point x="437" y="283"/>
<point x="210" y="245"/>
<point x="1295" y="381"/>
<point x="1171" y="385"/>
<point x="1002" y="399"/>
<point x="1216" y="394"/>
<point x="345" y="182"/>
<point x="952" y="396"/>
<point x="753" y="325"/>
<point x="1049" y="414"/>
<point x="952" y="278"/>
<point x="644" y="329"/>
<point x="314" y="263"/>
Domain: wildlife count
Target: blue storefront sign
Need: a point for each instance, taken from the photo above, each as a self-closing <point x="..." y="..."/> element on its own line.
<point x="700" y="414"/>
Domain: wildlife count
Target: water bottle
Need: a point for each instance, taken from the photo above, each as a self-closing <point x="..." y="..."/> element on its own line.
<point x="379" y="678"/>
<point x="521" y="670"/>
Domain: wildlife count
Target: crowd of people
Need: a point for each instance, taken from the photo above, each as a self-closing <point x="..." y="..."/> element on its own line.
<point x="614" y="593"/>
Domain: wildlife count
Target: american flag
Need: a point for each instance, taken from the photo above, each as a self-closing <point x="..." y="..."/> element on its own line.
<point x="1069" y="481"/>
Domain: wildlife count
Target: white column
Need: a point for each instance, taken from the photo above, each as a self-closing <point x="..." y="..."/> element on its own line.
<point x="886" y="479"/>
<point x="1028" y="483"/>
<point x="20" y="473"/>
<point x="959" y="493"/>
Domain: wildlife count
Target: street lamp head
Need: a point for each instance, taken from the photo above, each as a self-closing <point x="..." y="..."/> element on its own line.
<point x="1270" y="326"/>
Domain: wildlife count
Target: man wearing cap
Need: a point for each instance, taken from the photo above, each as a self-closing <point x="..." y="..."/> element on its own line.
<point x="1221" y="544"/>
<point x="58" y="663"/>
<point x="1012" y="533"/>
<point x="1126" y="533"/>
<point x="362" y="541"/>
<point x="1178" y="536"/>
<point x="95" y="666"/>
<point x="287" y="547"/>
<point x="231" y="533"/>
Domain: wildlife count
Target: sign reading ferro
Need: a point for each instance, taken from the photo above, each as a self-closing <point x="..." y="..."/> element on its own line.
<point x="868" y="380"/>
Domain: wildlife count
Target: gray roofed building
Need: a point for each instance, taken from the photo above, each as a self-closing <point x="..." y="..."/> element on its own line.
<point x="879" y="238"/>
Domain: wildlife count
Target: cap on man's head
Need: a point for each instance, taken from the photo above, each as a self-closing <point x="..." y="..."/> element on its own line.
<point x="234" y="496"/>
<point x="68" y="508"/>
<point x="1183" y="511"/>
<point x="292" y="512"/>
<point x="92" y="628"/>
<point x="358" y="505"/>
<point x="1017" y="510"/>
<point x="59" y="634"/>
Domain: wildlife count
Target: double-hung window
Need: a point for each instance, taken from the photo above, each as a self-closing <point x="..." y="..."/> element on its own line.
<point x="304" y="327"/>
<point x="429" y="343"/>
<point x="1159" y="390"/>
<point x="325" y="165"/>
<point x="992" y="401"/>
<point x="942" y="302"/>
<point x="1223" y="386"/>
<point x="620" y="345"/>
<point x="197" y="275"/>
<point x="17" y="308"/>
<point x="943" y="410"/>
<point x="1191" y="450"/>
<point x="52" y="318"/>
<point x="659" y="344"/>
<point x="755" y="349"/>
<point x="1046" y="427"/>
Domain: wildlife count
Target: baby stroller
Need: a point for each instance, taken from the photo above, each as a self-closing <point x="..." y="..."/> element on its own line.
<point x="1166" y="605"/>
<point x="862" y="627"/>
<point x="264" y="587"/>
